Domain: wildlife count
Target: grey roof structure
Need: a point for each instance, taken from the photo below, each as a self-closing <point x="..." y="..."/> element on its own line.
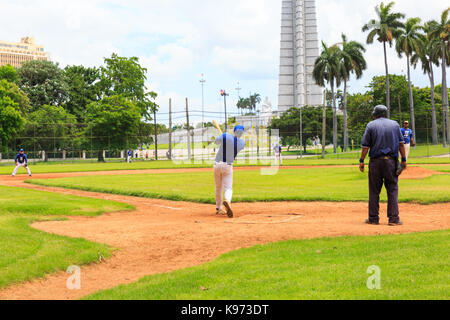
<point x="299" y="51"/>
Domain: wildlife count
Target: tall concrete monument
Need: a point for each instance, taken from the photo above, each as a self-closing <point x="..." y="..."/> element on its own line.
<point x="299" y="51"/>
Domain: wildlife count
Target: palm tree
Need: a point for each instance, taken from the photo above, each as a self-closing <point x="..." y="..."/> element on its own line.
<point x="441" y="31"/>
<point x="409" y="41"/>
<point x="386" y="29"/>
<point x="327" y="69"/>
<point x="254" y="100"/>
<point x="241" y="104"/>
<point x="353" y="61"/>
<point x="429" y="55"/>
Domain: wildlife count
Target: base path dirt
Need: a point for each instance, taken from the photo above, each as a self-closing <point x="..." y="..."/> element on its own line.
<point x="163" y="236"/>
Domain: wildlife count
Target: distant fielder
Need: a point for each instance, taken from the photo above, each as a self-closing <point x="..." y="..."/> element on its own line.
<point x="21" y="161"/>
<point x="129" y="156"/>
<point x="408" y="137"/>
<point x="230" y="146"/>
<point x="278" y="153"/>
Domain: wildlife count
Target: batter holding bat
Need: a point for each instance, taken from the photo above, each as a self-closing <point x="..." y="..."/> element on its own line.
<point x="230" y="146"/>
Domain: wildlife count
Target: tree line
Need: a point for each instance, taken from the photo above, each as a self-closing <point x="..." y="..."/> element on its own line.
<point x="424" y="45"/>
<point x="427" y="44"/>
<point x="40" y="100"/>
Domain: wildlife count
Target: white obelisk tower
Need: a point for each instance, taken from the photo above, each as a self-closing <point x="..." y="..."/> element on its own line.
<point x="299" y="51"/>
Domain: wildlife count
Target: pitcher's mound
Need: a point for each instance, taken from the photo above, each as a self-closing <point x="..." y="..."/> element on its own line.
<point x="418" y="173"/>
<point x="265" y="218"/>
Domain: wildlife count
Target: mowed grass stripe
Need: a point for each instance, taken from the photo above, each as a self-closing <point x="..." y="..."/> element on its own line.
<point x="331" y="159"/>
<point x="316" y="184"/>
<point x="26" y="253"/>
<point x="413" y="266"/>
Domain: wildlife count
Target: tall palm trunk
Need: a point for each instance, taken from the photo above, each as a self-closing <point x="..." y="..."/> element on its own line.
<point x="444" y="91"/>
<point x="324" y="126"/>
<point x="411" y="100"/>
<point x="433" y="106"/>
<point x="334" y="119"/>
<point x="345" y="117"/>
<point x="388" y="89"/>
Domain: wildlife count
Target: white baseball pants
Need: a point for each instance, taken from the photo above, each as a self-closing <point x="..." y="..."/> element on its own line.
<point x="223" y="175"/>
<point x="18" y="166"/>
<point x="407" y="151"/>
<point x="278" y="157"/>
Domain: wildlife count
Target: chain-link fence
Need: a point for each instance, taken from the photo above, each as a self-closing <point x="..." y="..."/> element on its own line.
<point x="76" y="143"/>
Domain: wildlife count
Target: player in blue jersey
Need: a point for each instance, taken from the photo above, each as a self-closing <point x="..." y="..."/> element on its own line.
<point x="230" y="146"/>
<point x="408" y="137"/>
<point x="21" y="161"/>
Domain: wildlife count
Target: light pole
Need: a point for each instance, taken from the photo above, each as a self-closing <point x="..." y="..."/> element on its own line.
<point x="224" y="94"/>
<point x="202" y="81"/>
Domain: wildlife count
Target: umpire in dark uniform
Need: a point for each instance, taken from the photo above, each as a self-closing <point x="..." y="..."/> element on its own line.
<point x="384" y="139"/>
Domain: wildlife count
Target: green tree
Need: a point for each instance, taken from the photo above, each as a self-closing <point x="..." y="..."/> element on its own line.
<point x="126" y="77"/>
<point x="18" y="96"/>
<point x="327" y="69"/>
<point x="352" y="62"/>
<point x="49" y="129"/>
<point x="429" y="56"/>
<point x="113" y="122"/>
<point x="409" y="40"/>
<point x="8" y="73"/>
<point x="288" y="126"/>
<point x="360" y="108"/>
<point x="43" y="82"/>
<point x="254" y="99"/>
<point x="399" y="94"/>
<point x="11" y="119"/>
<point x="385" y="28"/>
<point x="82" y="89"/>
<point x="441" y="31"/>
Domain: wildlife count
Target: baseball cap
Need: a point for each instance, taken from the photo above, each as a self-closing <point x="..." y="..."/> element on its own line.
<point x="380" y="111"/>
<point x="21" y="150"/>
<point x="239" y="127"/>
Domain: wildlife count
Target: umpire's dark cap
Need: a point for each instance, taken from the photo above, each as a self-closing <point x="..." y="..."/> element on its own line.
<point x="380" y="111"/>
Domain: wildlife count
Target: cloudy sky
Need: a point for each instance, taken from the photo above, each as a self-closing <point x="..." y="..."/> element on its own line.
<point x="178" y="40"/>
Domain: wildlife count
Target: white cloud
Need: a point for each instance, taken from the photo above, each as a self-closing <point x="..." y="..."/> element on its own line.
<point x="177" y="39"/>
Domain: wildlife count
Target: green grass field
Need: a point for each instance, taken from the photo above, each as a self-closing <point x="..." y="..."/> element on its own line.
<point x="316" y="184"/>
<point x="26" y="253"/>
<point x="413" y="266"/>
<point x="60" y="167"/>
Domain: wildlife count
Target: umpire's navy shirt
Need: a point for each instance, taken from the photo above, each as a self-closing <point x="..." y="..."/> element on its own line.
<point x="383" y="137"/>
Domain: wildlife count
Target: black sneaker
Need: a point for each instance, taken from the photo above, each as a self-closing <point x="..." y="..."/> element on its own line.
<point x="395" y="224"/>
<point x="229" y="210"/>
<point x="372" y="223"/>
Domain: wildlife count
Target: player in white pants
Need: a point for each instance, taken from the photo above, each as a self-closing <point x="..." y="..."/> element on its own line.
<point x="21" y="161"/>
<point x="278" y="154"/>
<point x="230" y="146"/>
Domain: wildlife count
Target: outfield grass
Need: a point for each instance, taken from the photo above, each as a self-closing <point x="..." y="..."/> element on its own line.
<point x="413" y="266"/>
<point x="332" y="160"/>
<point x="26" y="253"/>
<point x="316" y="184"/>
<point x="419" y="152"/>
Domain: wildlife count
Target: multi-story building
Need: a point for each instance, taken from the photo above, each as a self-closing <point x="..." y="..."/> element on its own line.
<point x="16" y="53"/>
<point x="299" y="51"/>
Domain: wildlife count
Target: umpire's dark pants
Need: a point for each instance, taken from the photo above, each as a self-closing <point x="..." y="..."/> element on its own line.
<point x="383" y="170"/>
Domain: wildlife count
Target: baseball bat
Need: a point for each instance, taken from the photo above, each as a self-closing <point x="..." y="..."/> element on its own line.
<point x="216" y="125"/>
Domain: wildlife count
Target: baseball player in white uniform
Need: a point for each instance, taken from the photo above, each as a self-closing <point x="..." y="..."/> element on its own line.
<point x="230" y="146"/>
<point x="21" y="161"/>
<point x="278" y="154"/>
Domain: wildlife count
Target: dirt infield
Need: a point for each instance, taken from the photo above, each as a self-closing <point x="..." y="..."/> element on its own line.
<point x="163" y="236"/>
